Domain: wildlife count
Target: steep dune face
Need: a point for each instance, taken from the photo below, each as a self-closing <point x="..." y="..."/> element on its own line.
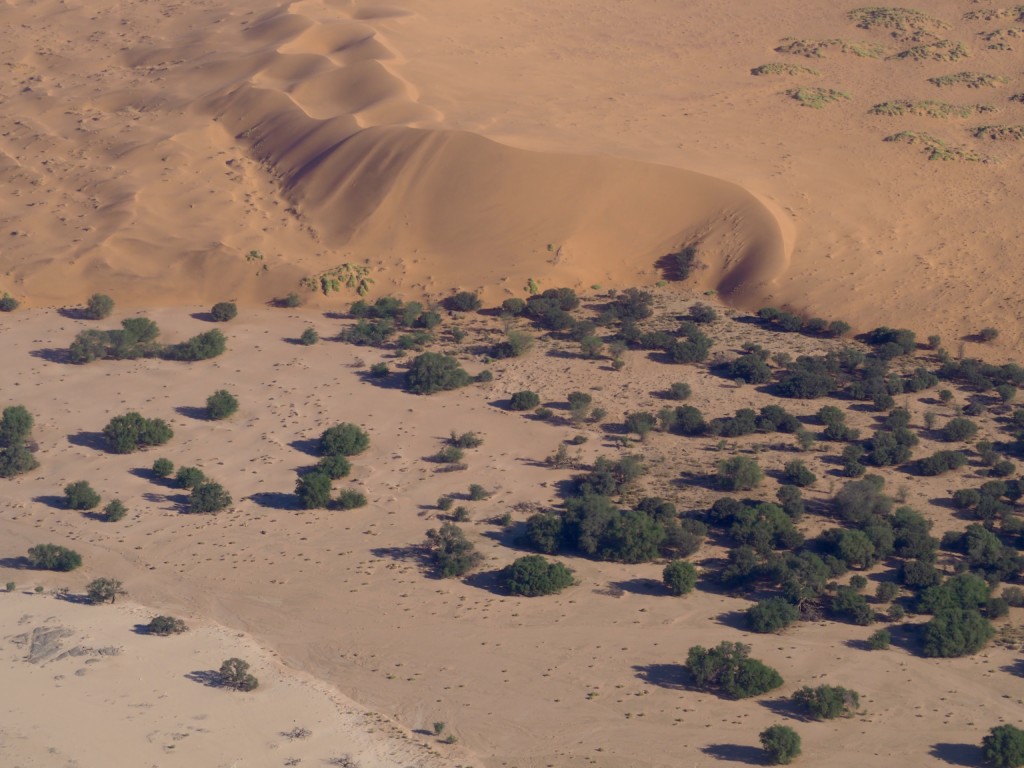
<point x="286" y="130"/>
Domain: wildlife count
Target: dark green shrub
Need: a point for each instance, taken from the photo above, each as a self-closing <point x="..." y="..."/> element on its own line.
<point x="514" y="307"/>
<point x="163" y="467"/>
<point x="444" y="503"/>
<point x="987" y="334"/>
<point x="524" y="400"/>
<point x="201" y="347"/>
<point x="781" y="744"/>
<point x="544" y="531"/>
<point x="771" y="615"/>
<point x="478" y="492"/>
<point x="314" y="490"/>
<point x="349" y="498"/>
<point x="234" y="674"/>
<point x="826" y="701"/>
<point x="291" y="301"/>
<point x="680" y="264"/>
<point x="310" y="337"/>
<point x="463" y="301"/>
<point x="453" y="553"/>
<point x="132" y="432"/>
<point x="532" y="576"/>
<point x="940" y="462"/>
<point x="165" y="626"/>
<point x="679" y="577"/>
<point x="679" y="390"/>
<point x="641" y="423"/>
<point x="792" y="501"/>
<point x="465" y="440"/>
<point x="433" y="372"/>
<point x="208" y="497"/>
<point x="702" y="313"/>
<point x="223" y="311"/>
<point x="1003" y="747"/>
<point x="958" y="429"/>
<point x="516" y="343"/>
<point x="796" y="473"/>
<point x="886" y="591"/>
<point x="344" y="439"/>
<point x="879" y="640"/>
<point x="728" y="668"/>
<point x="956" y="632"/>
<point x="114" y="511"/>
<point x="379" y="370"/>
<point x="738" y="474"/>
<point x="80" y="495"/>
<point x="334" y="466"/>
<point x="221" y="404"/>
<point x="53" y="557"/>
<point x="189" y="477"/>
<point x="850" y="605"/>
<point x="449" y="454"/>
<point x="15" y="426"/>
<point x="98" y="307"/>
<point x="8" y="303"/>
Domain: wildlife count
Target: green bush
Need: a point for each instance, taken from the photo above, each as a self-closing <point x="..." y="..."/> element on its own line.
<point x="1003" y="747"/>
<point x="208" y="497"/>
<point x="958" y="429"/>
<point x="452" y="552"/>
<point x="796" y="473"/>
<point x="52" y="557"/>
<point x="163" y="467"/>
<point x="202" y="347"/>
<point x="433" y="372"/>
<point x="132" y="432"/>
<point x="310" y="337"/>
<point x="15" y="428"/>
<point x="954" y="632"/>
<point x="104" y="590"/>
<point x="234" y="673"/>
<point x="314" y="490"/>
<point x="879" y="640"/>
<point x="738" y="474"/>
<point x="781" y="744"/>
<point x="532" y="576"/>
<point x="335" y="467"/>
<point x="114" y="511"/>
<point x="728" y="668"/>
<point x="379" y="370"/>
<point x="349" y="498"/>
<point x="849" y="604"/>
<point x="679" y="577"/>
<point x="223" y="311"/>
<point x="463" y="301"/>
<point x="772" y="615"/>
<point x="291" y="301"/>
<point x="16" y="460"/>
<point x="514" y="307"/>
<point x="478" y="492"/>
<point x="80" y="495"/>
<point x="189" y="477"/>
<point x="8" y="303"/>
<point x="165" y="626"/>
<point x="98" y="307"/>
<point x="344" y="440"/>
<point x="516" y="344"/>
<point x="826" y="701"/>
<point x="544" y="531"/>
<point x="524" y="400"/>
<point x="679" y="390"/>
<point x="221" y="404"/>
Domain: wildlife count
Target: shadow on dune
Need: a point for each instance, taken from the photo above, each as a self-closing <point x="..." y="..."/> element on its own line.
<point x="84" y="439"/>
<point x="673" y="676"/>
<point x="969" y="755"/>
<point x="736" y="753"/>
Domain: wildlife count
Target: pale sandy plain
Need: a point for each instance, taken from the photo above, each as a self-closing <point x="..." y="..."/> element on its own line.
<point x="146" y="148"/>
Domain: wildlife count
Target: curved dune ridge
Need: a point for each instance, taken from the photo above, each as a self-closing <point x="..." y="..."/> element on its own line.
<point x="331" y="159"/>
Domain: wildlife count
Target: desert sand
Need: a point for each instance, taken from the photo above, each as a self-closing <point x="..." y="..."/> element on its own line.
<point x="173" y="155"/>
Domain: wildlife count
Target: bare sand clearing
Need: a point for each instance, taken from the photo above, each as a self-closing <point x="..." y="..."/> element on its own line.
<point x="147" y="149"/>
<point x="589" y="677"/>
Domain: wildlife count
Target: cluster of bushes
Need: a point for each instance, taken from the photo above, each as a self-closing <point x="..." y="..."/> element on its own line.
<point x="53" y="557"/>
<point x="377" y="323"/>
<point x="15" y="430"/>
<point x="336" y="445"/>
<point x="132" y="432"/>
<point x="815" y="326"/>
<point x="452" y="553"/>
<point x="205" y="496"/>
<point x="433" y="372"/>
<point x="532" y="575"/>
<point x="137" y="338"/>
<point x="727" y="668"/>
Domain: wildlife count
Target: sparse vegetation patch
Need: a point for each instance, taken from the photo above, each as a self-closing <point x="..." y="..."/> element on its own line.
<point x="941" y="50"/>
<point x="816" y="98"/>
<point x="816" y="49"/>
<point x="782" y="68"/>
<point x="935" y="148"/>
<point x="1000" y="132"/>
<point x="903" y="23"/>
<point x="929" y="108"/>
<point x="968" y="79"/>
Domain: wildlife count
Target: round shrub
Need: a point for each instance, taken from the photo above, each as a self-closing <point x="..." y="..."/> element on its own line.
<point x="221" y="404"/>
<point x="679" y="390"/>
<point x="532" y="576"/>
<point x="772" y="615"/>
<point x="165" y="625"/>
<point x="826" y="701"/>
<point x="223" y="311"/>
<point x="163" y="467"/>
<point x="335" y="467"/>
<point x="524" y="400"/>
<point x="81" y="495"/>
<point x="8" y="303"/>
<point x="1003" y="747"/>
<point x="98" y="307"/>
<point x="209" y="497"/>
<point x="349" y="498"/>
<point x="879" y="640"/>
<point x="309" y="337"/>
<point x="433" y="372"/>
<point x="189" y="477"/>
<point x="132" y="431"/>
<point x="679" y="577"/>
<point x="781" y="744"/>
<point x="53" y="557"/>
<point x="234" y="673"/>
<point x="114" y="511"/>
<point x="514" y="307"/>
<point x="314" y="490"/>
<point x="739" y="474"/>
<point x="463" y="301"/>
<point x="796" y="473"/>
<point x="344" y="440"/>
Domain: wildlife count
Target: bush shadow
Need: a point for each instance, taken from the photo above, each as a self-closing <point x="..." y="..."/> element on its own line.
<point x="672" y="676"/>
<point x="54" y="502"/>
<point x="650" y="587"/>
<point x="958" y="754"/>
<point x="148" y="474"/>
<point x="206" y="317"/>
<point x="53" y="355"/>
<point x="193" y="412"/>
<point x="785" y="708"/>
<point x="735" y="753"/>
<point x="209" y="677"/>
<point x="93" y="440"/>
<point x="309" y="446"/>
<point x="287" y="502"/>
<point x="16" y="563"/>
<point x="489" y="581"/>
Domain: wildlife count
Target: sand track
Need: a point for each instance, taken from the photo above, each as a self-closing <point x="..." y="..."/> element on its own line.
<point x="328" y="156"/>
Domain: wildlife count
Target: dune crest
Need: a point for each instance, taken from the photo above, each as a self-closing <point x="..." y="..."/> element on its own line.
<point x="328" y="157"/>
